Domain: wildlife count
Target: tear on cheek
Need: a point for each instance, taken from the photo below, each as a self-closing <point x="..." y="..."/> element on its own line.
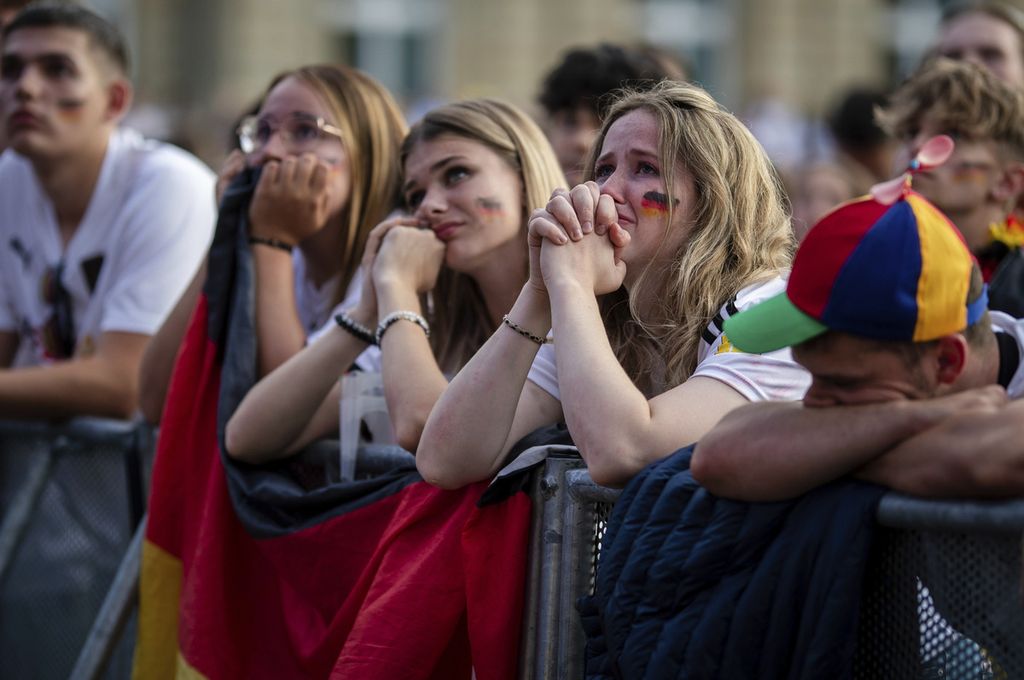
<point x="656" y="204"/>
<point x="490" y="207"/>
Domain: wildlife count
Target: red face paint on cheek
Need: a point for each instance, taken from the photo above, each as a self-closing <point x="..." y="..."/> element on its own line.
<point x="489" y="207"/>
<point x="655" y="204"/>
<point x="971" y="173"/>
<point x="69" y="108"/>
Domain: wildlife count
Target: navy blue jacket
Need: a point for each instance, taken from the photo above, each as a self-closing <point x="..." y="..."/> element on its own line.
<point x="694" y="586"/>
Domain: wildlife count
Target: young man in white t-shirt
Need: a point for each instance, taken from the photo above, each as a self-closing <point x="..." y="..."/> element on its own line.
<point x="100" y="231"/>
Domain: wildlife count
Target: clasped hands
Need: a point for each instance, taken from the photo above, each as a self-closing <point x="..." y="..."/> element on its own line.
<point x="401" y="256"/>
<point x="576" y="239"/>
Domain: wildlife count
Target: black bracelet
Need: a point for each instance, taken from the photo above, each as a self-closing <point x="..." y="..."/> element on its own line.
<point x="355" y="328"/>
<point x="523" y="332"/>
<point x="272" y="242"/>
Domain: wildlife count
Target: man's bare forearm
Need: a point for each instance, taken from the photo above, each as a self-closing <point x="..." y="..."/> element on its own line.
<point x="773" y="451"/>
<point x="75" y="388"/>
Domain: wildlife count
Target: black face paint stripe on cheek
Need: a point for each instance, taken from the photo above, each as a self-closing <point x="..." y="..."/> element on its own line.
<point x="660" y="199"/>
<point x="488" y="203"/>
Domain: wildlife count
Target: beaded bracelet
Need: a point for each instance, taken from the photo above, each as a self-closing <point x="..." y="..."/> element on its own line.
<point x="272" y="242"/>
<point x="357" y="329"/>
<point x="403" y="315"/>
<point x="523" y="332"/>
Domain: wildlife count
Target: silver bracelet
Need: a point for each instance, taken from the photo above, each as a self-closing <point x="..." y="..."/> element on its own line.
<point x="401" y="315"/>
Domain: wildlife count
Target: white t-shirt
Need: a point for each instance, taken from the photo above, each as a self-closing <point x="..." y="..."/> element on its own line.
<point x="1004" y="323"/>
<point x="313" y="302"/>
<point x="317" y="315"/>
<point x="773" y="376"/>
<point x="147" y="227"/>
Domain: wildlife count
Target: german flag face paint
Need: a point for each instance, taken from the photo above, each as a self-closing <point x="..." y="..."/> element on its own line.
<point x="655" y="204"/>
<point x="489" y="207"/>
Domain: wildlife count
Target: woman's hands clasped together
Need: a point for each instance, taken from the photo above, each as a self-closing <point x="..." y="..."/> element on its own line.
<point x="576" y="239"/>
<point x="401" y="257"/>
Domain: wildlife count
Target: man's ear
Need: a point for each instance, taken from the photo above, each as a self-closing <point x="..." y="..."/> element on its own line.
<point x="119" y="98"/>
<point x="951" y="357"/>
<point x="1009" y="186"/>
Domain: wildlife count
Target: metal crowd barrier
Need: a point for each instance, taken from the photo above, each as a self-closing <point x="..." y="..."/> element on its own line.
<point x="944" y="596"/>
<point x="570" y="513"/>
<point x="71" y="496"/>
<point x="113" y="631"/>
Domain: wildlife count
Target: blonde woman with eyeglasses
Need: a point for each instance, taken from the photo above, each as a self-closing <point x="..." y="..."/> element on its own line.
<point x="327" y="139"/>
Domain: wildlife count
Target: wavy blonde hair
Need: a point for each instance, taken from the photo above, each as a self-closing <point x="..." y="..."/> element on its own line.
<point x="372" y="128"/>
<point x="459" y="321"/>
<point x="739" y="234"/>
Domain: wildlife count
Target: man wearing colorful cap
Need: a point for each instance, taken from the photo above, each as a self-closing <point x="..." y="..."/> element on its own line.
<point x="983" y="181"/>
<point x="911" y="375"/>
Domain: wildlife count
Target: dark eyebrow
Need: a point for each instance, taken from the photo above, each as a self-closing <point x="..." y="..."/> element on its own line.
<point x="12" y="54"/>
<point x="434" y="168"/>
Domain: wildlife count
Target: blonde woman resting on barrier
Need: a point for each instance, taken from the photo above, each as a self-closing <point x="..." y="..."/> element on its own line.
<point x="681" y="224"/>
<point x="327" y="138"/>
<point x="471" y="173"/>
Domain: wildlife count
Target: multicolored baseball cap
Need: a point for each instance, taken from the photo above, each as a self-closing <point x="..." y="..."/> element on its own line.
<point x="895" y="272"/>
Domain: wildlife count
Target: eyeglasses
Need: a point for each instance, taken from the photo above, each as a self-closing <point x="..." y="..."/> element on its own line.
<point x="58" y="334"/>
<point x="300" y="133"/>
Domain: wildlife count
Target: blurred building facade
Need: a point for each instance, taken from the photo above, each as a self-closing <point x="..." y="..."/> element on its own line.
<point x="199" y="63"/>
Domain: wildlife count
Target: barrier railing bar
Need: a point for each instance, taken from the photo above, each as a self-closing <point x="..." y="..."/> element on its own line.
<point x="22" y="507"/>
<point x="114" y="613"/>
<point x="142" y="440"/>
<point x="548" y="634"/>
<point x="905" y="512"/>
<point x="545" y="640"/>
<point x="579" y="533"/>
<point x="531" y="607"/>
<point x="583" y="488"/>
<point x="895" y="510"/>
<point x="86" y="430"/>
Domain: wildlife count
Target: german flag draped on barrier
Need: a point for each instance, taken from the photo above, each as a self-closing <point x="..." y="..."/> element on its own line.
<point x="246" y="573"/>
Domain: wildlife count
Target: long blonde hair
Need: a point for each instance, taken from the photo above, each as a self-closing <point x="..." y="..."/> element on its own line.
<point x="740" y="232"/>
<point x="372" y="128"/>
<point x="459" y="321"/>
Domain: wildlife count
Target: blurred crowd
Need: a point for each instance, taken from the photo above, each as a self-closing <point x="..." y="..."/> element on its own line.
<point x="634" y="271"/>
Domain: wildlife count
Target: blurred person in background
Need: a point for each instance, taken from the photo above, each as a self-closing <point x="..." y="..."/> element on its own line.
<point x="574" y="94"/>
<point x="865" y="149"/>
<point x="815" y="190"/>
<point x="981" y="183"/>
<point x="101" y="229"/>
<point x="988" y="33"/>
<point x="864" y="157"/>
<point x="8" y="9"/>
<point x="327" y="140"/>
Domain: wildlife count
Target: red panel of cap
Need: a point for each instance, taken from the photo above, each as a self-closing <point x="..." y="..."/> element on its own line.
<point x="825" y="250"/>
